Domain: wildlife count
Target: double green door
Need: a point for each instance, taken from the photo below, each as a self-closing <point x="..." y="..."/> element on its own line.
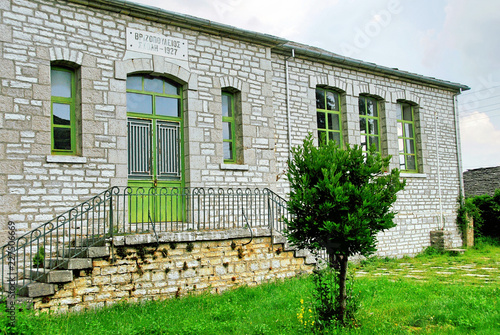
<point x="155" y="164"/>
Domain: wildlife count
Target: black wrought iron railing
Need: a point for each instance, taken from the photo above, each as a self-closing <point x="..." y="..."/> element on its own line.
<point x="129" y="210"/>
<point x="45" y="248"/>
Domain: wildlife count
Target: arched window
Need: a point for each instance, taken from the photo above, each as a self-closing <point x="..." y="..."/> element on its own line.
<point x="406" y="137"/>
<point x="369" y="122"/>
<point x="63" y="114"/>
<point x="328" y="114"/>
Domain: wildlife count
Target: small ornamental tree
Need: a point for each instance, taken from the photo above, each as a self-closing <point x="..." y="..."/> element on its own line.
<point x="339" y="200"/>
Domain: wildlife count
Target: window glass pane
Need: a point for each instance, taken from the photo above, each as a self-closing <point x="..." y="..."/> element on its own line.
<point x="364" y="141"/>
<point x="399" y="113"/>
<point x="362" y="125"/>
<point x="400" y="129"/>
<point x="361" y="106"/>
<point x="134" y="83"/>
<point x="408" y="130"/>
<point x="60" y="83"/>
<point x="407" y="115"/>
<point x="333" y="122"/>
<point x="320" y="98"/>
<point x="370" y="108"/>
<point x="153" y="85"/>
<point x="226" y="106"/>
<point x="335" y="137"/>
<point x="226" y="131"/>
<point x="374" y="140"/>
<point x="321" y="121"/>
<point x="139" y="103"/>
<point x="228" y="150"/>
<point x="332" y="101"/>
<point x="402" y="165"/>
<point x="171" y="89"/>
<point x="410" y="147"/>
<point x="61" y="114"/>
<point x="167" y="106"/>
<point x="410" y="163"/>
<point x="372" y="126"/>
<point x="62" y="138"/>
<point x="401" y="144"/>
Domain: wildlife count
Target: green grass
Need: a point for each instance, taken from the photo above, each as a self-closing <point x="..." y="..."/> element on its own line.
<point x="405" y="296"/>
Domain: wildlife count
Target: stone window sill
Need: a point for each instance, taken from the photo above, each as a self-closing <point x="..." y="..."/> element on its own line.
<point x="66" y="159"/>
<point x="237" y="167"/>
<point x="412" y="175"/>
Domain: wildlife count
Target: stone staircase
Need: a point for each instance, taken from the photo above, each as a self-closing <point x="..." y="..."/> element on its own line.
<point x="58" y="271"/>
<point x="42" y="282"/>
<point x="279" y="238"/>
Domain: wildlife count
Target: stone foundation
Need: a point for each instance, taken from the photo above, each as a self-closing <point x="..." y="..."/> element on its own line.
<point x="151" y="271"/>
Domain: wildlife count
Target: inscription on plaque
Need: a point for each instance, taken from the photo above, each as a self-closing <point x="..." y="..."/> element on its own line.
<point x="156" y="44"/>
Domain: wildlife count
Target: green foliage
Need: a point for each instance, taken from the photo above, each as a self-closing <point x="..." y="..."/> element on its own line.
<point x="340" y="198"/>
<point x="485" y="211"/>
<point x="39" y="258"/>
<point x="326" y="290"/>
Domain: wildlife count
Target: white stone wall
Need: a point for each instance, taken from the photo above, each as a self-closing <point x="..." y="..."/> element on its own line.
<point x="35" y="186"/>
<point x="418" y="204"/>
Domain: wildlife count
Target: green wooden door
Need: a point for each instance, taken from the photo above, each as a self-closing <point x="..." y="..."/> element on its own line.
<point x="155" y="164"/>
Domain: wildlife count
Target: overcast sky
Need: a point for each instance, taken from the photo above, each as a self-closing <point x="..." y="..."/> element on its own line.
<point x="455" y="40"/>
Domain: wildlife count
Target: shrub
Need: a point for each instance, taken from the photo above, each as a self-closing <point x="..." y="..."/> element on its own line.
<point x="485" y="210"/>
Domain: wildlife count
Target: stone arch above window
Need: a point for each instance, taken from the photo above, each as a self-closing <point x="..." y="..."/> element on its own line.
<point x="372" y="90"/>
<point x="407" y="96"/>
<point x="328" y="82"/>
<point x="231" y="83"/>
<point x="157" y="66"/>
<point x="65" y="56"/>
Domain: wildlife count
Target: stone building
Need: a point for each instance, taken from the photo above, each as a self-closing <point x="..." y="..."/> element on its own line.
<point x="104" y="93"/>
<point x="481" y="181"/>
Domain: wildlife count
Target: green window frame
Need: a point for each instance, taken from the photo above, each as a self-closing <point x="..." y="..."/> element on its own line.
<point x="228" y="128"/>
<point x="369" y="123"/>
<point x="328" y="116"/>
<point x="154" y="110"/>
<point x="62" y="108"/>
<point x="406" y="138"/>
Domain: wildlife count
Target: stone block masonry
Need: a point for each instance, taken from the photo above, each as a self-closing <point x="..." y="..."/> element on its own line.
<point x="481" y="181"/>
<point x="167" y="270"/>
<point x="90" y="39"/>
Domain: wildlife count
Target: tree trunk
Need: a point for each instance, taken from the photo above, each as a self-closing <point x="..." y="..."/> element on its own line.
<point x="342" y="287"/>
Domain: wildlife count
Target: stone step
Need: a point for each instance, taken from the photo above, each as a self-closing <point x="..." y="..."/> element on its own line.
<point x="84" y="252"/>
<point x="71" y="264"/>
<point x="33" y="289"/>
<point x="91" y="241"/>
<point x="51" y="276"/>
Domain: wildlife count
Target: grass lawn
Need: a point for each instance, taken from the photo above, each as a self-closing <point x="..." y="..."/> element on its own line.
<point x="428" y="294"/>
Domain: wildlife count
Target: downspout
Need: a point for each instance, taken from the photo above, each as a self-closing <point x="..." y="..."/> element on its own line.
<point x="440" y="226"/>
<point x="288" y="106"/>
<point x="459" y="145"/>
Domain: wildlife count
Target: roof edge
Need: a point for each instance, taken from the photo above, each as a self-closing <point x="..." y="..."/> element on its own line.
<point x="351" y="62"/>
<point x="164" y="16"/>
<point x="277" y="43"/>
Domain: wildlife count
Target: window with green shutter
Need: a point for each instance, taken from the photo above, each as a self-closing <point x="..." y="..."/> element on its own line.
<point x="63" y="118"/>
<point x="369" y="123"/>
<point x="406" y="138"/>
<point x="228" y="128"/>
<point x="328" y="114"/>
